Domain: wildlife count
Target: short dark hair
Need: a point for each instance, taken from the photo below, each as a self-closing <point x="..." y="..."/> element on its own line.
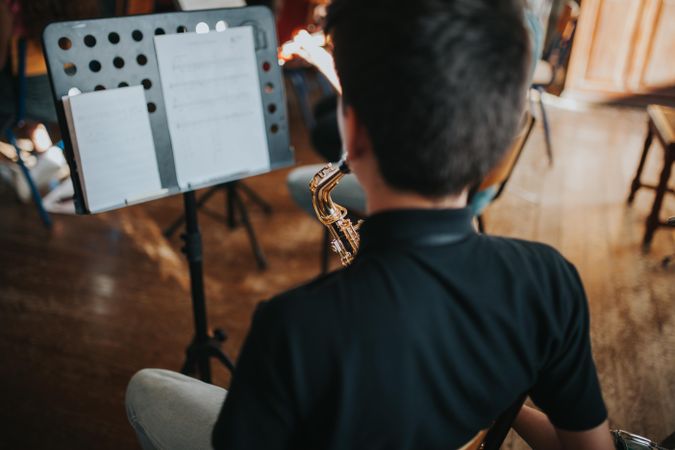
<point x="438" y="84"/>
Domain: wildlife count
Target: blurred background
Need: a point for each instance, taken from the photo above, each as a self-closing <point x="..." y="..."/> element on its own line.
<point x="86" y="301"/>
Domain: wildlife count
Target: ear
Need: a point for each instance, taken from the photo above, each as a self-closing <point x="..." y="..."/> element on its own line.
<point x="355" y="138"/>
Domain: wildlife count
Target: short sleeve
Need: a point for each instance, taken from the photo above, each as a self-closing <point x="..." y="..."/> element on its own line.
<point x="257" y="413"/>
<point x="568" y="390"/>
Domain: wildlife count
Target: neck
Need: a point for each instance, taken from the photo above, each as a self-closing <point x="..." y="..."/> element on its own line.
<point x="380" y="196"/>
<point x="387" y="199"/>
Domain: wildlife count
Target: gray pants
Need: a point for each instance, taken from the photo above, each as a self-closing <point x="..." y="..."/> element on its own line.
<point x="172" y="411"/>
<point x="348" y="193"/>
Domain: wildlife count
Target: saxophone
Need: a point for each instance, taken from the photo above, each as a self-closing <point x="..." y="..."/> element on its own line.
<point x="344" y="235"/>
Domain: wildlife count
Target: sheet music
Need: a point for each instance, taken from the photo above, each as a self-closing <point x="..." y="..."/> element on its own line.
<point x="213" y="104"/>
<point x="113" y="146"/>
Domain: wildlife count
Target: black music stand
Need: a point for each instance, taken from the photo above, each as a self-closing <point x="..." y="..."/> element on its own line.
<point x="233" y="204"/>
<point x="108" y="53"/>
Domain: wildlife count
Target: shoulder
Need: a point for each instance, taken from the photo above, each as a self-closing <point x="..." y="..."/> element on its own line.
<point x="541" y="269"/>
<point x="529" y="252"/>
<point x="310" y="300"/>
<point x="326" y="299"/>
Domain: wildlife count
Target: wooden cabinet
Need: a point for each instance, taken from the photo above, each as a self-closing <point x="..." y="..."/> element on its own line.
<point x="624" y="49"/>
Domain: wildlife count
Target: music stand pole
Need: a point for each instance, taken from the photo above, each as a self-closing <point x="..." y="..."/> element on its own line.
<point x="203" y="346"/>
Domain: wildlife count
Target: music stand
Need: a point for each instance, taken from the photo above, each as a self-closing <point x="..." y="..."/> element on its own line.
<point x="86" y="55"/>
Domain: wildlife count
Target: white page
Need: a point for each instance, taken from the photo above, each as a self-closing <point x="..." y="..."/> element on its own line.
<point x="113" y="145"/>
<point x="213" y="104"/>
<point x="191" y="5"/>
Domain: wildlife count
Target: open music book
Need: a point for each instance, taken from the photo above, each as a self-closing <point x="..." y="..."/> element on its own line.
<point x="215" y="117"/>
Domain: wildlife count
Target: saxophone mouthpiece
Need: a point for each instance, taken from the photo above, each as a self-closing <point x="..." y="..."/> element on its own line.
<point x="343" y="166"/>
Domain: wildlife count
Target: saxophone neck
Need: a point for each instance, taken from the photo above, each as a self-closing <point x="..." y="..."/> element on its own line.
<point x="321" y="186"/>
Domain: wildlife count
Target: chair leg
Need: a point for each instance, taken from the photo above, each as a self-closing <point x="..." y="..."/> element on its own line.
<point x="547" y="129"/>
<point x="653" y="221"/>
<point x="481" y="224"/>
<point x="635" y="185"/>
<point x="37" y="198"/>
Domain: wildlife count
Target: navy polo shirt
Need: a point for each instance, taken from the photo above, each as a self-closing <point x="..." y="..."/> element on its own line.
<point x="423" y="341"/>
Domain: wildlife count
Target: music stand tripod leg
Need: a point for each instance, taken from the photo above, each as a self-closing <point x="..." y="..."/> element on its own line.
<point x="255" y="246"/>
<point x="230" y="205"/>
<point x="255" y="198"/>
<point x="171" y="229"/>
<point x="203" y="346"/>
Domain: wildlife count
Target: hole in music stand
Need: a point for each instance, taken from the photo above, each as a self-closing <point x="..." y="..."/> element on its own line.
<point x="89" y="41"/>
<point x="202" y="28"/>
<point x="113" y="37"/>
<point x="65" y="43"/>
<point x="94" y="66"/>
<point x="70" y="69"/>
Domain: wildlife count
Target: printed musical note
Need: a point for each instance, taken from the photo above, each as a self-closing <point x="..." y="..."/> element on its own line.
<point x="213" y="104"/>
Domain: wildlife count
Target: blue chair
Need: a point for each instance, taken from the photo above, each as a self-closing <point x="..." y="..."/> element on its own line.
<point x="18" y="120"/>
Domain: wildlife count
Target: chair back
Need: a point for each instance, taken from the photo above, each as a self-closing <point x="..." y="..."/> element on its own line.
<point x="500" y="175"/>
<point x="493" y="437"/>
<point x="559" y="48"/>
<point x="475" y="443"/>
<point x="500" y="428"/>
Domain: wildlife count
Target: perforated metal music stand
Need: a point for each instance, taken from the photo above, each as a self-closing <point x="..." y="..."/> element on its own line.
<point x="109" y="53"/>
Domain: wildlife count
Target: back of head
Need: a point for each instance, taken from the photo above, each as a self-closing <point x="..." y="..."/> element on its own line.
<point x="438" y="84"/>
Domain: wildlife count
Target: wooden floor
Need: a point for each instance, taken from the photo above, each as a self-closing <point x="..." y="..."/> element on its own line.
<point x="85" y="306"/>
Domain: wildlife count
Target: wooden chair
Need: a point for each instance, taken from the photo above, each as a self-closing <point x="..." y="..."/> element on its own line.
<point x="665" y="262"/>
<point x="555" y="56"/>
<point x="493" y="437"/>
<point x="497" y="178"/>
<point x="661" y="123"/>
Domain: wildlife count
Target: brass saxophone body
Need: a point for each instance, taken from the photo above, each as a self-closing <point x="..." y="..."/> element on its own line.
<point x="344" y="235"/>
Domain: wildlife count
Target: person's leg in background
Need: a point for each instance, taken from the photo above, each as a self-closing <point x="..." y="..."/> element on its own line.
<point x="325" y="135"/>
<point x="170" y="411"/>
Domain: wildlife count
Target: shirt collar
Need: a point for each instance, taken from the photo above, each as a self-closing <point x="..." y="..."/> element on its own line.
<point x="410" y="225"/>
